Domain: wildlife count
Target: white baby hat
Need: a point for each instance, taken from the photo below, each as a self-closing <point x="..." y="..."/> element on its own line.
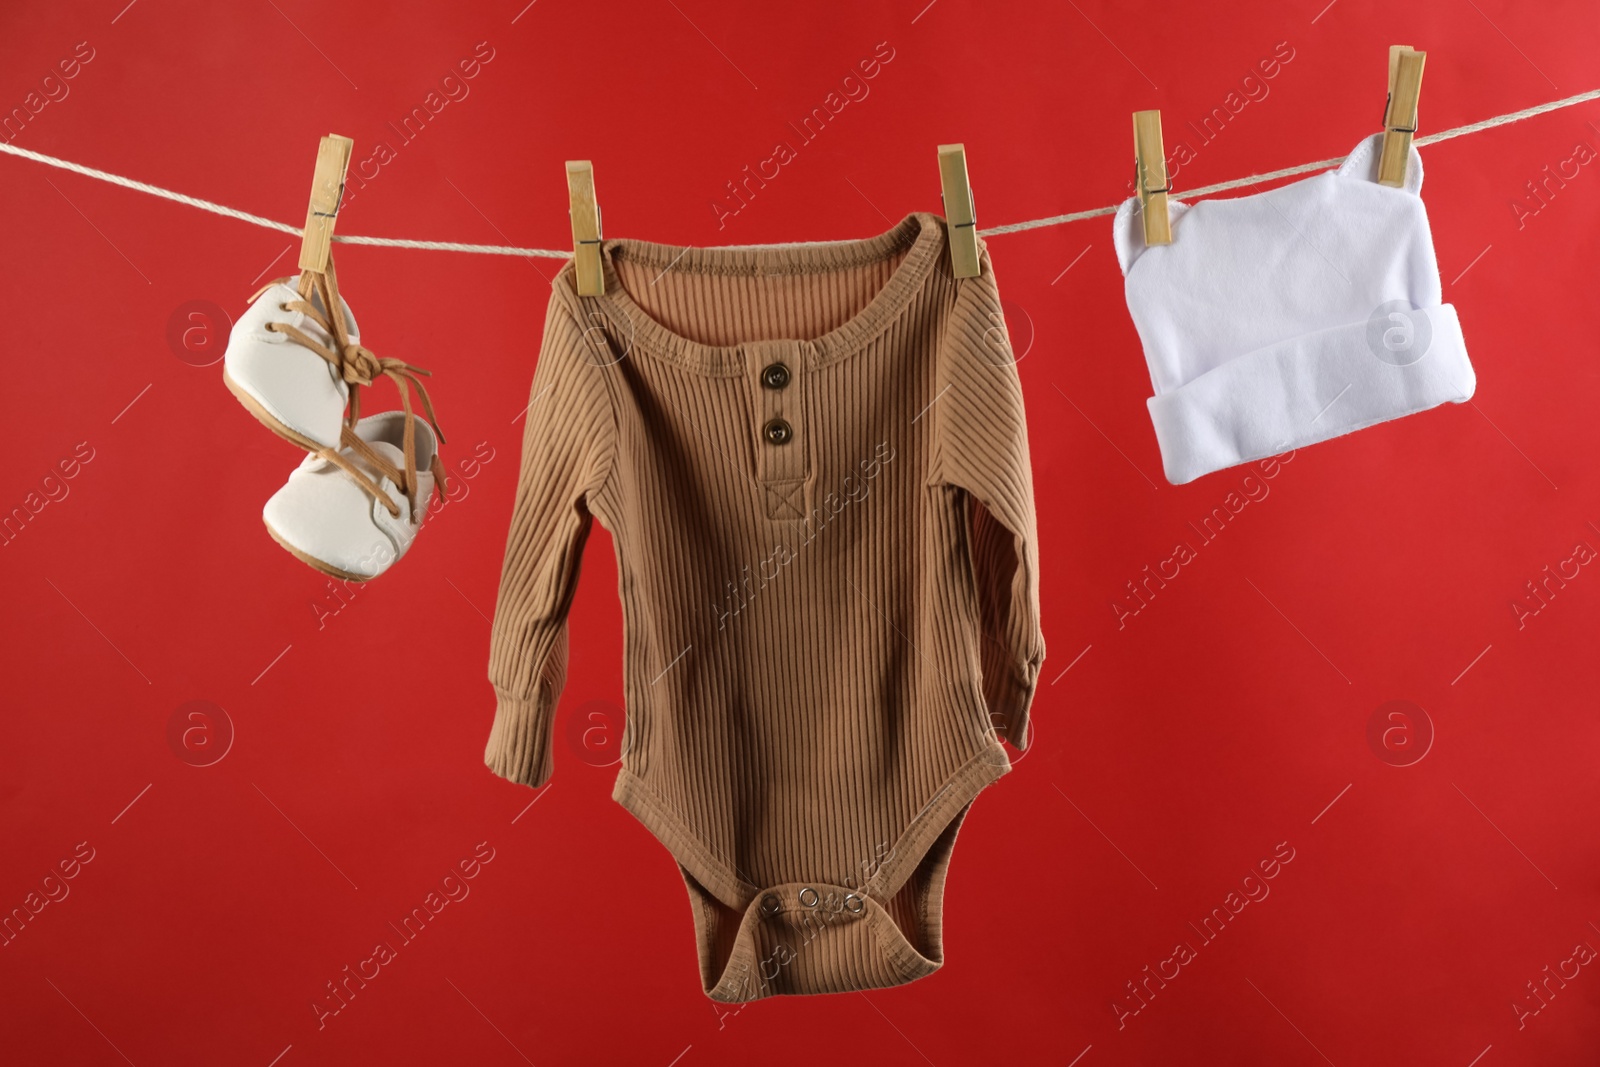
<point x="1277" y="320"/>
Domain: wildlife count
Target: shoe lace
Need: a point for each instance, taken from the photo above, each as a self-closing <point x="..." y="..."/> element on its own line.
<point x="359" y="366"/>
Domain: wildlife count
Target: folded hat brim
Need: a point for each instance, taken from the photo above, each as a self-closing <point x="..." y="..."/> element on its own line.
<point x="1310" y="388"/>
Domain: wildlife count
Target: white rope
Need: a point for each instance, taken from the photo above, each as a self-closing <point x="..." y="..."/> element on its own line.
<point x="993" y="231"/>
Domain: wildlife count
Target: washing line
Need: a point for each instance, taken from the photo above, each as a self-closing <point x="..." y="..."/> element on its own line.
<point x="993" y="231"/>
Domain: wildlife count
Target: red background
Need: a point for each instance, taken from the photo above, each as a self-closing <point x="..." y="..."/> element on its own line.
<point x="1229" y="715"/>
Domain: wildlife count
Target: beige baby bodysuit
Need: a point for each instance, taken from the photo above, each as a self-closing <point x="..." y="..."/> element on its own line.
<point x="813" y="462"/>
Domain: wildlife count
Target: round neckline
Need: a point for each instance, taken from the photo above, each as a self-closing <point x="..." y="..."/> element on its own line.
<point x="920" y="234"/>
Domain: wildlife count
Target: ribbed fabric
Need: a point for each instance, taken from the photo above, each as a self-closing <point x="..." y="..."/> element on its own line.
<point x="826" y="637"/>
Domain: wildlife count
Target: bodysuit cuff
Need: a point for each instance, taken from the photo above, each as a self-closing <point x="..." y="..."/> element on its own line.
<point x="1012" y="701"/>
<point x="519" y="740"/>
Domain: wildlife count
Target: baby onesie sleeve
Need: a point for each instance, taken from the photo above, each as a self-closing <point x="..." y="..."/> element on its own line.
<point x="568" y="446"/>
<point x="982" y="447"/>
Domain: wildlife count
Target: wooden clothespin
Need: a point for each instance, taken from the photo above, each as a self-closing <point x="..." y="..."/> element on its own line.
<point x="958" y="210"/>
<point x="1150" y="163"/>
<point x="585" y="228"/>
<point x="327" y="190"/>
<point x="1400" y="113"/>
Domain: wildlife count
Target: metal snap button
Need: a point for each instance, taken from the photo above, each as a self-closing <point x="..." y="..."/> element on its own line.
<point x="809" y="897"/>
<point x="775" y="375"/>
<point x="777" y="432"/>
<point x="853" y="903"/>
<point x="771" y="905"/>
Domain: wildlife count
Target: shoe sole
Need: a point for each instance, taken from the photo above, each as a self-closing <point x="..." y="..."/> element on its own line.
<point x="314" y="562"/>
<point x="266" y="417"/>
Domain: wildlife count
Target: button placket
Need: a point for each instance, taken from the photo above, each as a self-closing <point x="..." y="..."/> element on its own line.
<point x="774" y="370"/>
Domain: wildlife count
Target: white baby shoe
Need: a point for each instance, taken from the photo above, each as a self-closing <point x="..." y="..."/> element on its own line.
<point x="347" y="512"/>
<point x="285" y="363"/>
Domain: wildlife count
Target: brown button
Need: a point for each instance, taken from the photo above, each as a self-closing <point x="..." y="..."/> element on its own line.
<point x="778" y="432"/>
<point x="775" y="375"/>
<point x="770" y="905"/>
